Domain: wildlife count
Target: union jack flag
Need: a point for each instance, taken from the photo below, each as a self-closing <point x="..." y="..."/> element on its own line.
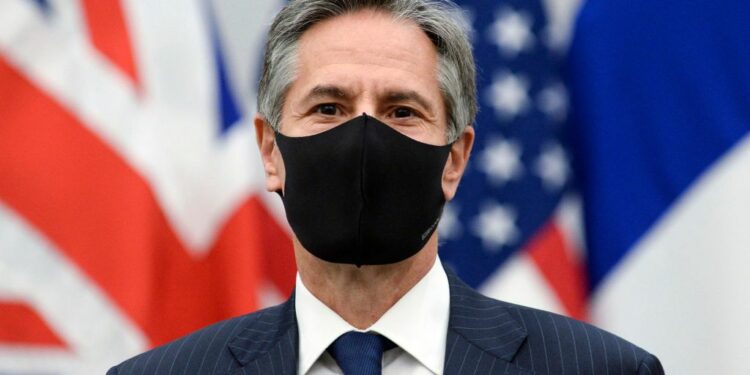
<point x="130" y="211"/>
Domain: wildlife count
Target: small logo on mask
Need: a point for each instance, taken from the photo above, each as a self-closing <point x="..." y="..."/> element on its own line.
<point x="429" y="230"/>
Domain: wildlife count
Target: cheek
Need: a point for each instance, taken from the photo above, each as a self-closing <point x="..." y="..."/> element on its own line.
<point x="425" y="132"/>
<point x="437" y="134"/>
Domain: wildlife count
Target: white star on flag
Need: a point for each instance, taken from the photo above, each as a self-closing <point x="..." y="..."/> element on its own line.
<point x="552" y="166"/>
<point x="508" y="94"/>
<point x="553" y="101"/>
<point x="501" y="161"/>
<point x="450" y="225"/>
<point x="511" y="31"/>
<point x="496" y="226"/>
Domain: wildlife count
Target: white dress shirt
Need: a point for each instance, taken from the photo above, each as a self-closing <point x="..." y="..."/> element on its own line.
<point x="417" y="324"/>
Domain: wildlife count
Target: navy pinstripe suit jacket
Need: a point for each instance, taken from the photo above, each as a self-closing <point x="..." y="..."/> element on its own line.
<point x="485" y="336"/>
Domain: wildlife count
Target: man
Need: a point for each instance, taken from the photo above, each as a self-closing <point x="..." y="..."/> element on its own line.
<point x="364" y="128"/>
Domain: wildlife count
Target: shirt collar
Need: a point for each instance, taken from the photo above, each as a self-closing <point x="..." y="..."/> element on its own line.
<point x="417" y="323"/>
<point x="318" y="326"/>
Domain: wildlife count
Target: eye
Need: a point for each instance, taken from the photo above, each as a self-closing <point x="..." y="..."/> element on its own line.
<point x="402" y="112"/>
<point x="327" y="109"/>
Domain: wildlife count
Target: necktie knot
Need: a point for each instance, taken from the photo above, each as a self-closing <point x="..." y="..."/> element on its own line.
<point x="359" y="353"/>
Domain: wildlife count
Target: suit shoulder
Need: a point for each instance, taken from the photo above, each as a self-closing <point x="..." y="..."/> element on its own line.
<point x="573" y="346"/>
<point x="204" y="351"/>
<point x="543" y="342"/>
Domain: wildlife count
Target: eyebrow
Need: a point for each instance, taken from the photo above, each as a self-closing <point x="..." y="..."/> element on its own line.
<point x="391" y="96"/>
<point x="326" y="91"/>
<point x="396" y="96"/>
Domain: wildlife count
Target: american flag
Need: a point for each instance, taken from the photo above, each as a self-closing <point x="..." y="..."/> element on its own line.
<point x="514" y="206"/>
<point x="608" y="181"/>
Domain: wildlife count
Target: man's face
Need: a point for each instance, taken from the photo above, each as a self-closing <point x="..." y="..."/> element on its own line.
<point x="366" y="62"/>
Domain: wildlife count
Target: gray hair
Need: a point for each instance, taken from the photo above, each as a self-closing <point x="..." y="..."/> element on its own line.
<point x="437" y="18"/>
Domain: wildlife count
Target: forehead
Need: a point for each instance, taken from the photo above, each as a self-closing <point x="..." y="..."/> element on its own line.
<point x="366" y="29"/>
<point x="368" y="45"/>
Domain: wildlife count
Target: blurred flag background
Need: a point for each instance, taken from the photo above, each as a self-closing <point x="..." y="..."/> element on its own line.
<point x="610" y="180"/>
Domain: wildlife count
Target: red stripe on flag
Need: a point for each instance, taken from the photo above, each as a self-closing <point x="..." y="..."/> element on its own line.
<point x="109" y="34"/>
<point x="279" y="265"/>
<point x="19" y="324"/>
<point x="77" y="191"/>
<point x="564" y="273"/>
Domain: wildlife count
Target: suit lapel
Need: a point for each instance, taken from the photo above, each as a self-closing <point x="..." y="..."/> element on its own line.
<point x="268" y="344"/>
<point x="483" y="337"/>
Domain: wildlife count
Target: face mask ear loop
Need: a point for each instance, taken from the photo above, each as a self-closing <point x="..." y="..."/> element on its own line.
<point x="276" y="133"/>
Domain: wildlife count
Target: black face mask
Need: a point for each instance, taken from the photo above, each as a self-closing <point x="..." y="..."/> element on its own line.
<point x="362" y="193"/>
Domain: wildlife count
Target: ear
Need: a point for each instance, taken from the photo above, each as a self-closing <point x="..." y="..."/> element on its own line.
<point x="273" y="164"/>
<point x="458" y="158"/>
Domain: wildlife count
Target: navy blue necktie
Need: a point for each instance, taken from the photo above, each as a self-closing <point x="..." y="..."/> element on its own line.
<point x="359" y="353"/>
